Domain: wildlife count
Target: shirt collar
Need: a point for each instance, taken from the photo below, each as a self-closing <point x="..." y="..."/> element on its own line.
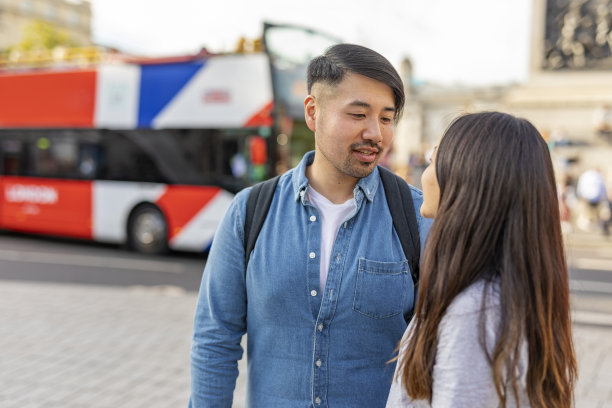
<point x="368" y="185"/>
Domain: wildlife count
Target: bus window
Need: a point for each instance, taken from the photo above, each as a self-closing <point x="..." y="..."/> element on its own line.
<point x="12" y="157"/>
<point x="67" y="154"/>
<point x="53" y="155"/>
<point x="126" y="161"/>
<point x="228" y="149"/>
<point x="89" y="160"/>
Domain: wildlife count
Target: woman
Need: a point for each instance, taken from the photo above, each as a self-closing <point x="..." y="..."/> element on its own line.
<point x="492" y="322"/>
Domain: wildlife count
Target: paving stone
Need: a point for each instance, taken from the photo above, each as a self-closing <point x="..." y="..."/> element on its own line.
<point x="73" y="346"/>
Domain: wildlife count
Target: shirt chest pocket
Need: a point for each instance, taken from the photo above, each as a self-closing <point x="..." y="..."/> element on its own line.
<point x="382" y="288"/>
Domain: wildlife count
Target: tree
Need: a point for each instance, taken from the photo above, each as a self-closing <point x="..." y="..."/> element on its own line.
<point x="40" y="35"/>
<point x="41" y="42"/>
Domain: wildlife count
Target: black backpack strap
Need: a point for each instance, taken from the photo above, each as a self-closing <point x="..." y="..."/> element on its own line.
<point x="401" y="207"/>
<point x="258" y="204"/>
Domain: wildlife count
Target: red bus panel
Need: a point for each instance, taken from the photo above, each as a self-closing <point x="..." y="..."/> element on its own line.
<point x="182" y="203"/>
<point x="45" y="206"/>
<point x="59" y="99"/>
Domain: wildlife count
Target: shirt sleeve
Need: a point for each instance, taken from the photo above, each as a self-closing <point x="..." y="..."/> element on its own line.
<point x="220" y="317"/>
<point x="462" y="375"/>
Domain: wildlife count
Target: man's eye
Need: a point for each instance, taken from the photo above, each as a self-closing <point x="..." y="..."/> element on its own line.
<point x="358" y="115"/>
<point x="387" y="120"/>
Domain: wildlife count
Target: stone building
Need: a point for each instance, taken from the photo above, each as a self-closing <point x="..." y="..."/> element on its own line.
<point x="71" y="16"/>
<point x="571" y="68"/>
<point x="567" y="96"/>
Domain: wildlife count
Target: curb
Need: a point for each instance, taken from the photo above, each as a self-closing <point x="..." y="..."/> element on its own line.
<point x="591" y="318"/>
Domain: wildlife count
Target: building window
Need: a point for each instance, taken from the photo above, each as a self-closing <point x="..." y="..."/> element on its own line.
<point x="26" y="6"/>
<point x="51" y="13"/>
<point x="73" y="18"/>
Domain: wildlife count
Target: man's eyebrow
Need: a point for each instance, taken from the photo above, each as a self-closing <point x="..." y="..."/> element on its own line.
<point x="362" y="104"/>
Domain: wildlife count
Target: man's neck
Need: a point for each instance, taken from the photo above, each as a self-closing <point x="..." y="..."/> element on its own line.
<point x="329" y="182"/>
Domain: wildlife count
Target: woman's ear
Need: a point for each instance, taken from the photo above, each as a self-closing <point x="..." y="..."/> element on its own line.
<point x="310" y="112"/>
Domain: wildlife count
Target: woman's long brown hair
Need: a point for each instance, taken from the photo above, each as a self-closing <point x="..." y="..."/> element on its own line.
<point x="498" y="219"/>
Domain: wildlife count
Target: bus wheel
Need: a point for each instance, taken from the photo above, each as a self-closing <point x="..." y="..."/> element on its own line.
<point x="147" y="230"/>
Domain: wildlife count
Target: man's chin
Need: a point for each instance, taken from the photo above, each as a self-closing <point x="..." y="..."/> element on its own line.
<point x="362" y="169"/>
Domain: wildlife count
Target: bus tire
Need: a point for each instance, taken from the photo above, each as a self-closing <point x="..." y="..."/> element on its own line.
<point x="148" y="230"/>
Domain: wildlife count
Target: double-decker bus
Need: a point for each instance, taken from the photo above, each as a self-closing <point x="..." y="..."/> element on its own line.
<point x="144" y="153"/>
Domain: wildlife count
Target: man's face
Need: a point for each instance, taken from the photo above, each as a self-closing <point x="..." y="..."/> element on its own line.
<point x="352" y="122"/>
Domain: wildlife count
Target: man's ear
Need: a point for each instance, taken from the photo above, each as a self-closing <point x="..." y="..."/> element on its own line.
<point x="310" y="112"/>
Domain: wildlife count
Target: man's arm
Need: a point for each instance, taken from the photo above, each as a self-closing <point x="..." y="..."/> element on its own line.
<point x="220" y="318"/>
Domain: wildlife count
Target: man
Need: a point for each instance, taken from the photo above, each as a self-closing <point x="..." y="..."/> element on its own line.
<point x="327" y="290"/>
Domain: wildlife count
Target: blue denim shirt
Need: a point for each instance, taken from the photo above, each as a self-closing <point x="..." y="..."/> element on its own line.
<point x="304" y="348"/>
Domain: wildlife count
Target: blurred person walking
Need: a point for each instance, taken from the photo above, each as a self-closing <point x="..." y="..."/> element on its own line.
<point x="492" y="322"/>
<point x="593" y="200"/>
<point x="606" y="212"/>
<point x="327" y="291"/>
<point x="602" y="119"/>
<point x="566" y="196"/>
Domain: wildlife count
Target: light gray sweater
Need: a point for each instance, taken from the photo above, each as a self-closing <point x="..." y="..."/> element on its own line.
<point x="462" y="375"/>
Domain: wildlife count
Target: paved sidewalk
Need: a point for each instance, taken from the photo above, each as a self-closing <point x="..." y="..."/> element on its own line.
<point x="75" y="346"/>
<point x="86" y="346"/>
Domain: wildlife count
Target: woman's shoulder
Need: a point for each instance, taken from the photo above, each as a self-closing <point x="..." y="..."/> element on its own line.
<point x="481" y="294"/>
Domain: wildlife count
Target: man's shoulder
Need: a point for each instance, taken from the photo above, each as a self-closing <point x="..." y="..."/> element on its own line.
<point x="416" y="193"/>
<point x="402" y="183"/>
<point x="241" y="197"/>
<point x="283" y="182"/>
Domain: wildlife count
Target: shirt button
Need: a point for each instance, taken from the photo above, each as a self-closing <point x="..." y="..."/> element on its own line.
<point x="318" y="363"/>
<point x="312" y="255"/>
<point x="320" y="327"/>
<point x="313" y="218"/>
<point x="318" y="401"/>
<point x="313" y="293"/>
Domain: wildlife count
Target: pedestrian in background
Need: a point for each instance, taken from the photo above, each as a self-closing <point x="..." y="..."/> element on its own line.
<point x="606" y="212"/>
<point x="602" y="119"/>
<point x="492" y="322"/>
<point x="327" y="292"/>
<point x="591" y="191"/>
<point x="565" y="194"/>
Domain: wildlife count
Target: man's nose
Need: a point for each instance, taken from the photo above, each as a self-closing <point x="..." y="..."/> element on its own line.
<point x="372" y="131"/>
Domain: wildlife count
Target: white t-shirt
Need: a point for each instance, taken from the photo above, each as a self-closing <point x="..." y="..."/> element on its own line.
<point x="591" y="186"/>
<point x="462" y="376"/>
<point x="331" y="216"/>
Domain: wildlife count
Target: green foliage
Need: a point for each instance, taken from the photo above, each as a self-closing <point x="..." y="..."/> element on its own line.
<point x="302" y="141"/>
<point x="40" y="35"/>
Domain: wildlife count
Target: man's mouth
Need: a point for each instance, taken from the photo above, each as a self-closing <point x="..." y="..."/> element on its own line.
<point x="367" y="155"/>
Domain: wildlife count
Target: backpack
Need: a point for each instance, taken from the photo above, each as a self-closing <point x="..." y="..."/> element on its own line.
<point x="399" y="200"/>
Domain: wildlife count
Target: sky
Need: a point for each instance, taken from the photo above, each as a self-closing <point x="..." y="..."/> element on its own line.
<point x="450" y="42"/>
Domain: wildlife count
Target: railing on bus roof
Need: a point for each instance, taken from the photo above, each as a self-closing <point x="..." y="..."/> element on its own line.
<point x="64" y="57"/>
<point x="58" y="56"/>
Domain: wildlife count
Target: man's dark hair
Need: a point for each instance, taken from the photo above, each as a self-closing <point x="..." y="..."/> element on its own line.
<point x="339" y="59"/>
